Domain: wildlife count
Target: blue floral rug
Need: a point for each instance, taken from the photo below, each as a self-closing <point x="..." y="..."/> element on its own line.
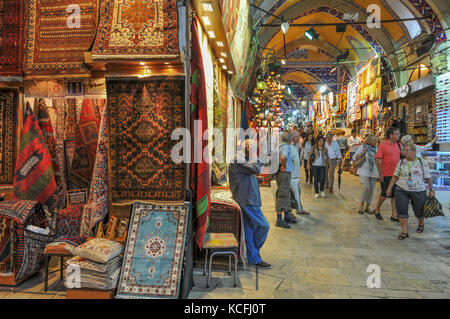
<point x="153" y="257"/>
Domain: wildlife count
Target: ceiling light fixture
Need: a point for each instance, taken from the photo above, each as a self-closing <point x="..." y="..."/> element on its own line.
<point x="220" y="44"/>
<point x="311" y="34"/>
<point x="207" y="6"/>
<point x="206" y="20"/>
<point x="223" y="54"/>
<point x="221" y="60"/>
<point x="211" y="34"/>
<point x="224" y="67"/>
<point x="283" y="61"/>
<point x="323" y="89"/>
<point x="285" y="27"/>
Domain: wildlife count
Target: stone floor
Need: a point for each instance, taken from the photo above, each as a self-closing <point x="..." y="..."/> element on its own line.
<point x="326" y="255"/>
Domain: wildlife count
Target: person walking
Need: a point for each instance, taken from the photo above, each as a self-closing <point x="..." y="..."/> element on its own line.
<point x="317" y="162"/>
<point x="342" y="141"/>
<point x="353" y="143"/>
<point x="409" y="182"/>
<point x="295" y="175"/>
<point x="335" y="159"/>
<point x="245" y="191"/>
<point x="368" y="172"/>
<point x="283" y="194"/>
<point x="307" y="146"/>
<point x="388" y="156"/>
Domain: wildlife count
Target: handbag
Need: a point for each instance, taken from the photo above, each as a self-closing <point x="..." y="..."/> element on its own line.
<point x="360" y="161"/>
<point x="432" y="208"/>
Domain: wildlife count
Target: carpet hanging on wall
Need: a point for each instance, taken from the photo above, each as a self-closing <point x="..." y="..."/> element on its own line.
<point x="11" y="35"/>
<point x="80" y="173"/>
<point x="200" y="170"/>
<point x="123" y="33"/>
<point x="153" y="257"/>
<point x="8" y="134"/>
<point x="33" y="177"/>
<point x="143" y="115"/>
<point x="56" y="37"/>
<point x="47" y="131"/>
<point x="97" y="206"/>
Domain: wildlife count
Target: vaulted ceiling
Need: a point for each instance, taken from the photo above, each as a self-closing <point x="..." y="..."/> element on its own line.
<point x="310" y="62"/>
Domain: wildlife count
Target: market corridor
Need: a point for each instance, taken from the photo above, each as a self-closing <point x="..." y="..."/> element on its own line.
<point x="326" y="254"/>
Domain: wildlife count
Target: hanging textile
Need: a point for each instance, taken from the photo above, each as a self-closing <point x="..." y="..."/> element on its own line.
<point x="80" y="173"/>
<point x="8" y="134"/>
<point x="70" y="133"/>
<point x="55" y="44"/>
<point x="33" y="177"/>
<point x="97" y="206"/>
<point x="219" y="167"/>
<point x="47" y="131"/>
<point x="151" y="33"/>
<point x="11" y="37"/>
<point x="244" y="120"/>
<point x="200" y="172"/>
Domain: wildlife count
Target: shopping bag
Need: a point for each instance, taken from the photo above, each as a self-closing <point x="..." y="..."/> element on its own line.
<point x="432" y="208"/>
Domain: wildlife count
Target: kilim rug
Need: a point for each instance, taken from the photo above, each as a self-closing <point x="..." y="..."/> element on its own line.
<point x="200" y="181"/>
<point x="47" y="131"/>
<point x="143" y="115"/>
<point x="70" y="131"/>
<point x="52" y="47"/>
<point x="153" y="258"/>
<point x="137" y="28"/>
<point x="8" y="134"/>
<point x="11" y="35"/>
<point x="97" y="206"/>
<point x="33" y="177"/>
<point x="219" y="167"/>
<point x="80" y="173"/>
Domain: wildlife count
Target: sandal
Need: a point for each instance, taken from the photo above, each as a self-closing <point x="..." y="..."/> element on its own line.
<point x="394" y="219"/>
<point x="402" y="236"/>
<point x="361" y="211"/>
<point x="368" y="211"/>
<point x="420" y="228"/>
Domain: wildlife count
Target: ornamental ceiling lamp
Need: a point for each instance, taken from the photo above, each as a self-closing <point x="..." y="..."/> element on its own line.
<point x="311" y="34"/>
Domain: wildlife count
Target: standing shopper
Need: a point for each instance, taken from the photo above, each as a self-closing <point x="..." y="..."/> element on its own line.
<point x="245" y="189"/>
<point x="342" y="141"/>
<point x="368" y="172"/>
<point x="335" y="158"/>
<point x="283" y="196"/>
<point x="317" y="161"/>
<point x="353" y="143"/>
<point x="409" y="180"/>
<point x="388" y="156"/>
<point x="295" y="177"/>
<point x="307" y="146"/>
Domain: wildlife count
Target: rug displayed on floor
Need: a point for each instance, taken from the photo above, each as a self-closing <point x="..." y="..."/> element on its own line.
<point x="153" y="257"/>
<point x="143" y="115"/>
<point x="11" y="35"/>
<point x="8" y="134"/>
<point x="33" y="177"/>
<point x="80" y="173"/>
<point x="55" y="42"/>
<point x="137" y="28"/>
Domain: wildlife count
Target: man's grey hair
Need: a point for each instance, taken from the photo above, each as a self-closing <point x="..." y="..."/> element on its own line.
<point x="285" y="137"/>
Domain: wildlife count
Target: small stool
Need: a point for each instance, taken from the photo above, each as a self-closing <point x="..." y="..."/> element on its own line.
<point x="220" y="244"/>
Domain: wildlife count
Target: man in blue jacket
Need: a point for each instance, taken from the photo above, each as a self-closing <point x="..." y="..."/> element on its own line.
<point x="245" y="189"/>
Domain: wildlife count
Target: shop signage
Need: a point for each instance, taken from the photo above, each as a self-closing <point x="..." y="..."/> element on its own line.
<point x="404" y="90"/>
<point x="410" y="88"/>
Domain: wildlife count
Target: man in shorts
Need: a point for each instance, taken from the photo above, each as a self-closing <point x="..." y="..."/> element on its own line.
<point x="387" y="158"/>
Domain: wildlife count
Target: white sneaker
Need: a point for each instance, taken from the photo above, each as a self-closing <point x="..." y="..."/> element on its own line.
<point x="323" y="194"/>
<point x="316" y="195"/>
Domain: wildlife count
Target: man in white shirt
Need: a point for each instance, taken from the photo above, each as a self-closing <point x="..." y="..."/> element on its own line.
<point x="295" y="175"/>
<point x="335" y="159"/>
<point x="353" y="143"/>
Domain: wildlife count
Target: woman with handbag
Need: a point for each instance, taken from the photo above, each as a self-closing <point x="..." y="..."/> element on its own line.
<point x="318" y="160"/>
<point x="365" y="162"/>
<point x="409" y="182"/>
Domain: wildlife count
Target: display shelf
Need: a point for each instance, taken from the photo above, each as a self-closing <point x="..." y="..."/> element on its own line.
<point x="439" y="164"/>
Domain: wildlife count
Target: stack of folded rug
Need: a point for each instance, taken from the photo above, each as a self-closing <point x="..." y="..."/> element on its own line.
<point x="96" y="265"/>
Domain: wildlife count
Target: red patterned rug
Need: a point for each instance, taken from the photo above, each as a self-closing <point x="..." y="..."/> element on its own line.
<point x="51" y="45"/>
<point x="11" y="37"/>
<point x="8" y="134"/>
<point x="80" y="173"/>
<point x="137" y="27"/>
<point x="143" y="115"/>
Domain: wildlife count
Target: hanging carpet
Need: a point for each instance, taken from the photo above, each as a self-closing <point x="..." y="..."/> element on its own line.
<point x="200" y="170"/>
<point x="143" y="115"/>
<point x="56" y="37"/>
<point x="153" y="258"/>
<point x="11" y="35"/>
<point x="8" y="134"/>
<point x="137" y="29"/>
<point x="80" y="173"/>
<point x="33" y="177"/>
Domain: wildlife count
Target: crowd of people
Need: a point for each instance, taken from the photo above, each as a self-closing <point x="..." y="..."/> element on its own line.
<point x="396" y="163"/>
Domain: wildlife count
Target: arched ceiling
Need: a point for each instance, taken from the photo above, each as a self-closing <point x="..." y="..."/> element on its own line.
<point x="307" y="60"/>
